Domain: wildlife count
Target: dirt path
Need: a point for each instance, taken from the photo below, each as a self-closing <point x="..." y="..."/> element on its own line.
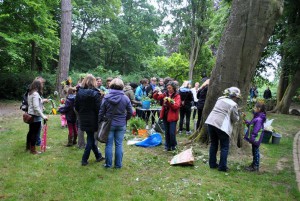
<point x="10" y="109"/>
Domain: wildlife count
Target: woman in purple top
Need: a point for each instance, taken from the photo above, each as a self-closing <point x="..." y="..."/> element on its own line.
<point x="117" y="106"/>
<point x="254" y="133"/>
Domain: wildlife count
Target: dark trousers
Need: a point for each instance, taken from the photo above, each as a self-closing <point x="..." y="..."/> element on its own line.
<point x="199" y="117"/>
<point x="34" y="130"/>
<point x="170" y="134"/>
<point x="216" y="136"/>
<point x="195" y="110"/>
<point x="185" y="111"/>
<point x="256" y="155"/>
<point x="90" y="145"/>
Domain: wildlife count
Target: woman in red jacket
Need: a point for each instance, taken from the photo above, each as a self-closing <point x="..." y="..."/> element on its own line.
<point x="169" y="113"/>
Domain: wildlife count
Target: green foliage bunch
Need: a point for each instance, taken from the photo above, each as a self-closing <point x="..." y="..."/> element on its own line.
<point x="14" y="85"/>
<point x="136" y="123"/>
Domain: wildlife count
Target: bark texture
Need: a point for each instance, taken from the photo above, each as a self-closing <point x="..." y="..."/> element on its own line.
<point x="284" y="104"/>
<point x="65" y="43"/>
<point x="249" y="27"/>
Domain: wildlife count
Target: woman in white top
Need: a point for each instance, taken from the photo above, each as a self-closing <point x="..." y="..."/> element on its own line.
<point x="220" y="122"/>
<point x="35" y="108"/>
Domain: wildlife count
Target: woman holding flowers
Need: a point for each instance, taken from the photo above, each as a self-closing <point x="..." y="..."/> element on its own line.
<point x="169" y="113"/>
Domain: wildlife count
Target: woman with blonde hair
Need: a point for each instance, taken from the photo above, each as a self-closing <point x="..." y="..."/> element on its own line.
<point x="87" y="104"/>
<point x="117" y="106"/>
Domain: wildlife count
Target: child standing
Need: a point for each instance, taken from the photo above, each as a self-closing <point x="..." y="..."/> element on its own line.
<point x="254" y="133"/>
<point x="68" y="110"/>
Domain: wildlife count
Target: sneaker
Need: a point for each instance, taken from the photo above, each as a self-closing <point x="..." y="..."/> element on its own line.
<point x="84" y="163"/>
<point x="252" y="169"/>
<point x="179" y="132"/>
<point x="100" y="159"/>
<point x="189" y="132"/>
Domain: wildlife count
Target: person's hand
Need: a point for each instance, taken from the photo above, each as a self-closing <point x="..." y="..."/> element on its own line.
<point x="46" y="118"/>
<point x="159" y="93"/>
<point x="45" y="100"/>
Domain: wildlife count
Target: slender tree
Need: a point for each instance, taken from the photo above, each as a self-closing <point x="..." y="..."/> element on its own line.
<point x="247" y="32"/>
<point x="65" y="43"/>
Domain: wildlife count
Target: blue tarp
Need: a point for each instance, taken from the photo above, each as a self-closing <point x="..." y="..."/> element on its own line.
<point x="151" y="141"/>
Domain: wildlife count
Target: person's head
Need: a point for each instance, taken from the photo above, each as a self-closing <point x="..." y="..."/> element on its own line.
<point x="153" y="81"/>
<point x="144" y="82"/>
<point x="99" y="81"/>
<point x="233" y="93"/>
<point x="37" y="86"/>
<point x="185" y="84"/>
<point x="161" y="82"/>
<point x="108" y="80"/>
<point x="259" y="107"/>
<point x="89" y="82"/>
<point x="71" y="90"/>
<point x="133" y="85"/>
<point x="197" y="84"/>
<point x="171" y="87"/>
<point x="203" y="74"/>
<point x="116" y="84"/>
<point x="41" y="79"/>
<point x="167" y="80"/>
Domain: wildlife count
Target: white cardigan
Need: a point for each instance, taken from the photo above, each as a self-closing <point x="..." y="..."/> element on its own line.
<point x="35" y="105"/>
<point x="223" y="115"/>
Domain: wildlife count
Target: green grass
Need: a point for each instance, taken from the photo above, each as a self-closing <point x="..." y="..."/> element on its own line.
<point x="146" y="173"/>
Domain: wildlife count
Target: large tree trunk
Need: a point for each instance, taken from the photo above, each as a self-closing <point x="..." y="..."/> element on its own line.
<point x="193" y="56"/>
<point x="283" y="82"/>
<point x="284" y="104"/>
<point x="65" y="43"/>
<point x="249" y="27"/>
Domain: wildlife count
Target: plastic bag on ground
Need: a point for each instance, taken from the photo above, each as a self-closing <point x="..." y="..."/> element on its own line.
<point x="151" y="141"/>
<point x="184" y="158"/>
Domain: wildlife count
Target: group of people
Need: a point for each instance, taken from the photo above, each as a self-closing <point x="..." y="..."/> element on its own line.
<point x="253" y="92"/>
<point x="89" y="102"/>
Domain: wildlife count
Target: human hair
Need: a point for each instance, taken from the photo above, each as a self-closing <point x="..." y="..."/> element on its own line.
<point x="37" y="86"/>
<point x="153" y="79"/>
<point x="261" y="106"/>
<point x="167" y="80"/>
<point x="173" y="85"/>
<point x="144" y="81"/>
<point x="98" y="78"/>
<point x="89" y="82"/>
<point x="116" y="84"/>
<point x="185" y="84"/>
<point x="71" y="90"/>
<point x="109" y="79"/>
<point x="133" y="85"/>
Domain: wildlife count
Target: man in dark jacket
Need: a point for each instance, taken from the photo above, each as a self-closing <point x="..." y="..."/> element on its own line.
<point x="87" y="104"/>
<point x="267" y="93"/>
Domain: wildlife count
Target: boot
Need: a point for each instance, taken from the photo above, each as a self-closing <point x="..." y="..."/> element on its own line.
<point x="253" y="169"/>
<point x="70" y="143"/>
<point x="75" y="140"/>
<point x="33" y="150"/>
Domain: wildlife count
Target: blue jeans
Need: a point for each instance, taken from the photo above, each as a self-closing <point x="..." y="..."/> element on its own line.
<point x="116" y="134"/>
<point x="217" y="135"/>
<point x="170" y="134"/>
<point x="90" y="145"/>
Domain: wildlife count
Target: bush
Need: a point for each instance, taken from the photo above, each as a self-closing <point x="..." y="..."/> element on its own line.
<point x="14" y="85"/>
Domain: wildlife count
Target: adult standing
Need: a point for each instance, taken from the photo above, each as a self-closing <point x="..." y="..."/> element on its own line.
<point x="117" y="106"/>
<point x="186" y="97"/>
<point x="267" y="93"/>
<point x="220" y="125"/>
<point x="195" y="91"/>
<point x="87" y="104"/>
<point x="35" y="108"/>
<point x="169" y="113"/>
<point x="140" y="92"/>
<point x="201" y="96"/>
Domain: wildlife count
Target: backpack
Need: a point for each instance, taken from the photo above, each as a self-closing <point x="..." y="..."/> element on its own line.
<point x="24" y="103"/>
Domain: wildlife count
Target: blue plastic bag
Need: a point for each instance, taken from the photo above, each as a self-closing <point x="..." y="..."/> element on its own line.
<point x="151" y="141"/>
